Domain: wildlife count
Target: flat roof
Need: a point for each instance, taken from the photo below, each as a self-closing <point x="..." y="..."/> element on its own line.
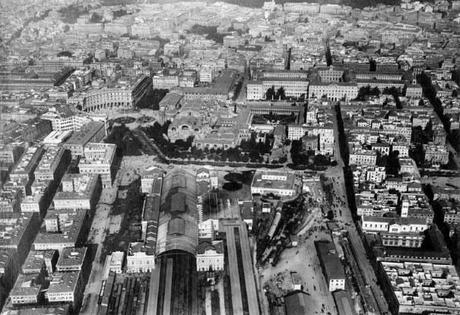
<point x="12" y="228"/>
<point x="84" y="185"/>
<point x="36" y="259"/>
<point x="171" y="99"/>
<point x="28" y="160"/>
<point x="72" y="256"/>
<point x="63" y="282"/>
<point x="26" y="284"/>
<point x="52" y="155"/>
<point x="86" y="132"/>
<point x="108" y="149"/>
<point x="70" y="223"/>
<point x="258" y="182"/>
<point x="6" y="254"/>
<point x="151" y="208"/>
<point x="330" y="260"/>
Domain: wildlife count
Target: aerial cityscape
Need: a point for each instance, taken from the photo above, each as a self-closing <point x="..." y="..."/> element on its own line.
<point x="229" y="157"/>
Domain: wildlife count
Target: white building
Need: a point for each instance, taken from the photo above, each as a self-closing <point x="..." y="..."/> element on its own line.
<point x="79" y="191"/>
<point x="98" y="159"/>
<point x="114" y="263"/>
<point x="277" y="183"/>
<point x="64" y="287"/>
<point x="26" y="289"/>
<point x="138" y="259"/>
<point x="363" y="157"/>
<point x="206" y="74"/>
<point x="56" y="137"/>
<point x="165" y="82"/>
<point x="254" y="91"/>
<point x="65" y="120"/>
<point x="334" y="91"/>
<point x="207" y="228"/>
<point x="292" y="87"/>
<point x="210" y="256"/>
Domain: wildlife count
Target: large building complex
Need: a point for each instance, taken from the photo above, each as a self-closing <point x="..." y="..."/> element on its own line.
<point x="273" y="182"/>
<point x="295" y="84"/>
<point x="79" y="191"/>
<point x="333" y="91"/>
<point x="92" y="132"/>
<point x="126" y="96"/>
<point x="178" y="227"/>
<point x="99" y="158"/>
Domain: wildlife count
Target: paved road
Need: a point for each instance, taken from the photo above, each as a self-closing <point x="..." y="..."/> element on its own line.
<point x="97" y="236"/>
<point x="345" y="217"/>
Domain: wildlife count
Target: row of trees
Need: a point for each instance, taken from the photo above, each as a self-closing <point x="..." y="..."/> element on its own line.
<point x="306" y="159"/>
<point x="366" y="91"/>
<point x="126" y="143"/>
<point x="249" y="150"/>
<point x="272" y="93"/>
<point x="71" y="13"/>
<point x="210" y="32"/>
<point x="152" y="99"/>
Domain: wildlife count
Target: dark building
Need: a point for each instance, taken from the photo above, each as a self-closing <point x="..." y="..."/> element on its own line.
<point x="174" y="281"/>
<point x="295" y="303"/>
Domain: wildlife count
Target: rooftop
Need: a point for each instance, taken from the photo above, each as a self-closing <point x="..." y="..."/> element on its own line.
<point x="70" y="223"/>
<point x="52" y="155"/>
<point x="12" y="228"/>
<point x="86" y="132"/>
<point x="35" y="260"/>
<point x="331" y="263"/>
<point x="151" y="208"/>
<point x="203" y="246"/>
<point x="71" y="256"/>
<point x="424" y="285"/>
<point x="26" y="285"/>
<point x="31" y="156"/>
<point x="82" y="186"/>
<point x="98" y="153"/>
<point x="63" y="282"/>
<point x="287" y="183"/>
<point x="5" y="256"/>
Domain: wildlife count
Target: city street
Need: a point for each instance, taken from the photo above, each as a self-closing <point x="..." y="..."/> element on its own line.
<point x="343" y="214"/>
<point x="97" y="236"/>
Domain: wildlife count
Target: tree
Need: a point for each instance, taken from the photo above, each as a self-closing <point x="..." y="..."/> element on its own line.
<point x="392" y="164"/>
<point x="280" y="93"/>
<point x="320" y="160"/>
<point x="64" y="53"/>
<point x="366" y="91"/>
<point x="418" y="154"/>
<point x="270" y="94"/>
<point x="372" y="65"/>
<point x="328" y="56"/>
<point x="395" y="92"/>
<point x="95" y="18"/>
